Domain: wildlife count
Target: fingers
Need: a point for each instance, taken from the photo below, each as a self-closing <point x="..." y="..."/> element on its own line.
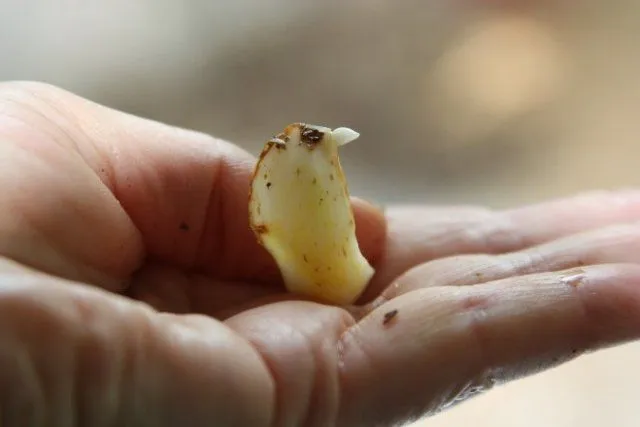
<point x="613" y="244"/>
<point x="183" y="194"/>
<point x="446" y="344"/>
<point x="132" y="190"/>
<point x="417" y="235"/>
<point x="298" y="342"/>
<point x="75" y="355"/>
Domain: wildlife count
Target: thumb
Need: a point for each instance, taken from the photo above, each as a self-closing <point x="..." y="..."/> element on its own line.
<point x="143" y="189"/>
<point x="76" y="355"/>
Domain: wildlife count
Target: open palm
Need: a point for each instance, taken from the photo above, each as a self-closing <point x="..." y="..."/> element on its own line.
<point x="100" y="210"/>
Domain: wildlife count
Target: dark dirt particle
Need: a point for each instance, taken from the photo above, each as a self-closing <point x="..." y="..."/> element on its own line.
<point x="184" y="226"/>
<point x="268" y="185"/>
<point x="389" y="316"/>
<point x="311" y="136"/>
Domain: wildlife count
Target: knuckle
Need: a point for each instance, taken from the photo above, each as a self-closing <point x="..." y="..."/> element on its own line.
<point x="35" y="111"/>
<point x="498" y="234"/>
<point x="28" y="94"/>
<point x="476" y="306"/>
<point x="459" y="270"/>
<point x="28" y="88"/>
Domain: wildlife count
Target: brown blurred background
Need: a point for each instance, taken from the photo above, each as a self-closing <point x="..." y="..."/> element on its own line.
<point x="470" y="101"/>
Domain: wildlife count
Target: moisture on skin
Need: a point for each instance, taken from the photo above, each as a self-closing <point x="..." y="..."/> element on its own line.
<point x="300" y="211"/>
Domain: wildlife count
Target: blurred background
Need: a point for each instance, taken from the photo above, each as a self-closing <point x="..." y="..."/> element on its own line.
<point x="495" y="102"/>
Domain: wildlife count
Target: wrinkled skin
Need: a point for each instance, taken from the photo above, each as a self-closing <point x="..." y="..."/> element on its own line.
<point x="132" y="291"/>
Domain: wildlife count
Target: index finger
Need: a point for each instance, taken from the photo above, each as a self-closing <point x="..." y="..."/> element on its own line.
<point x="420" y="234"/>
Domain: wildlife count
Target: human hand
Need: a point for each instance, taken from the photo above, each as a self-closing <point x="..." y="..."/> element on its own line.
<point x="101" y="210"/>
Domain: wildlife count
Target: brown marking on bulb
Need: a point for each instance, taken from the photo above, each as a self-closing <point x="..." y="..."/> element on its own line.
<point x="304" y="257"/>
<point x="267" y="147"/>
<point x="310" y="137"/>
<point x="297" y="171"/>
<point x="278" y="141"/>
<point x="280" y="145"/>
<point x="283" y="137"/>
<point x="261" y="228"/>
<point x="292" y="127"/>
<point x="331" y="176"/>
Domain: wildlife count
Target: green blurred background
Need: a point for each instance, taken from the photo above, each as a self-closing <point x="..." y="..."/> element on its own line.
<point x="493" y="102"/>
